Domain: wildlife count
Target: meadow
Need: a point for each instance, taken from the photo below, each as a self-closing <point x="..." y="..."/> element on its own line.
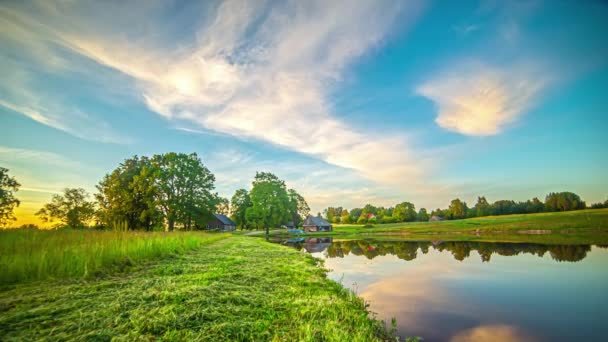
<point x="32" y="254"/>
<point x="236" y="288"/>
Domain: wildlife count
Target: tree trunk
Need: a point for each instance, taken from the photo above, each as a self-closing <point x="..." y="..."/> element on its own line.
<point x="171" y="224"/>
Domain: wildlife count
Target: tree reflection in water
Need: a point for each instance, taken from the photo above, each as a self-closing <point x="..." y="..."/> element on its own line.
<point x="408" y="250"/>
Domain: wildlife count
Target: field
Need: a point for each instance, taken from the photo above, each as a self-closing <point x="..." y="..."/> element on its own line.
<point x="580" y="227"/>
<point x="234" y="288"/>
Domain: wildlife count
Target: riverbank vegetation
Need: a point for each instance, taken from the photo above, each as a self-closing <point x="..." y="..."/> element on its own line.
<point x="581" y="226"/>
<point x="458" y="209"/>
<point x="236" y="288"/>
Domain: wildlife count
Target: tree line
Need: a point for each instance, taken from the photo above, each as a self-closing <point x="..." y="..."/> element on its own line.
<point x="166" y="191"/>
<point x="458" y="209"/>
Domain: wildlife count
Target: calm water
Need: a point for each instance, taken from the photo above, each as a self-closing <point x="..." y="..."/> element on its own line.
<point x="471" y="291"/>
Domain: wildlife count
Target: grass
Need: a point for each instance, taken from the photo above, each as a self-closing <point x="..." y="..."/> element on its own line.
<point x="583" y="226"/>
<point x="30" y="254"/>
<point x="236" y="288"/>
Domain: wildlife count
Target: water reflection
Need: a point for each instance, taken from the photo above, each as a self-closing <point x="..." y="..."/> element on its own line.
<point x="475" y="291"/>
<point x="407" y="250"/>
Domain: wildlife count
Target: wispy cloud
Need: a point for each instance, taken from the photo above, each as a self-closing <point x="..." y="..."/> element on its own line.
<point x="256" y="71"/>
<point x="478" y="99"/>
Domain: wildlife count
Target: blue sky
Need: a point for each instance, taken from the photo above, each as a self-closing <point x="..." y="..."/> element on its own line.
<point x="349" y="102"/>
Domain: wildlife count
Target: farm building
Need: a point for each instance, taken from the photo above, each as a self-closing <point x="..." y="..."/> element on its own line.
<point x="435" y="218"/>
<point x="221" y="222"/>
<point x="316" y="224"/>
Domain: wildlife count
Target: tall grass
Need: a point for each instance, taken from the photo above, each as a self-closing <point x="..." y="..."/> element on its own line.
<point x="31" y="254"/>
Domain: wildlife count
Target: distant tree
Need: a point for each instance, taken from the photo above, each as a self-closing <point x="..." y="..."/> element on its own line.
<point x="388" y="219"/>
<point x="373" y="220"/>
<point x="458" y="209"/>
<point x="270" y="200"/>
<point x="345" y="217"/>
<point x="72" y="209"/>
<point x="240" y="203"/>
<point x="422" y="215"/>
<point x="362" y="219"/>
<point x="355" y="213"/>
<point x="8" y="202"/>
<point x="298" y="208"/>
<point x="222" y="206"/>
<point x="369" y="209"/>
<point x="503" y="207"/>
<point x="563" y="201"/>
<point x="482" y="207"/>
<point x="404" y="212"/>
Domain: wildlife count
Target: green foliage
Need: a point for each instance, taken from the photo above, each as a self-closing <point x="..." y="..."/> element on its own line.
<point x="362" y="220"/>
<point x="482" y="208"/>
<point x="240" y="203"/>
<point x="563" y="201"/>
<point x="8" y="202"/>
<point x="270" y="201"/>
<point x="422" y="216"/>
<point x="72" y="209"/>
<point x="32" y="254"/>
<point x="124" y="197"/>
<point x="404" y="212"/>
<point x="298" y="208"/>
<point x="458" y="209"/>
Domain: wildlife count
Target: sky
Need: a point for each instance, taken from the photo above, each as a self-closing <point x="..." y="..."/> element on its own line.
<point x="350" y="102"/>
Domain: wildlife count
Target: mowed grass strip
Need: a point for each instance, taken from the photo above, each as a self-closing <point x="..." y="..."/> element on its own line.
<point x="32" y="254"/>
<point x="236" y="289"/>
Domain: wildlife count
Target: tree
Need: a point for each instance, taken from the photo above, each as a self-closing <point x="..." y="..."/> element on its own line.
<point x="270" y="201"/>
<point x="298" y="208"/>
<point x="345" y="217"/>
<point x="72" y="209"/>
<point x="182" y="188"/>
<point x="222" y="206"/>
<point x="404" y="212"/>
<point x="422" y="215"/>
<point x="240" y="203"/>
<point x="482" y="208"/>
<point x="458" y="209"/>
<point x="8" y="202"/>
<point x="563" y="201"/>
<point x="122" y="200"/>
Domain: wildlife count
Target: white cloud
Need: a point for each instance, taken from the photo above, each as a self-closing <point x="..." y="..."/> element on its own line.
<point x="254" y="70"/>
<point x="476" y="99"/>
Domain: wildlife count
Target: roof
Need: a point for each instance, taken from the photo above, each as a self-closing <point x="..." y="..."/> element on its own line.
<point x="225" y="220"/>
<point x="316" y="221"/>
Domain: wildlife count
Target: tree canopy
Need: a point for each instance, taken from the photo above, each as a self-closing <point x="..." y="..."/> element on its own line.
<point x="8" y="201"/>
<point x="72" y="209"/>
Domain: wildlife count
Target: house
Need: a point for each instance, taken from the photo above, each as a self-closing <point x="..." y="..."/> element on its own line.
<point x="221" y="222"/>
<point x="317" y="245"/>
<point x="435" y="218"/>
<point x="316" y="224"/>
<point x="289" y="225"/>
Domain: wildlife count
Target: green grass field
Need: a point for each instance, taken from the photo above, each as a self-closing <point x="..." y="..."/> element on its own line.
<point x="583" y="226"/>
<point x="234" y="288"/>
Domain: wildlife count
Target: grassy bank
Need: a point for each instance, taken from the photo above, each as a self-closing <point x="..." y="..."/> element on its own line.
<point x="30" y="254"/>
<point x="238" y="288"/>
<point x="583" y="226"/>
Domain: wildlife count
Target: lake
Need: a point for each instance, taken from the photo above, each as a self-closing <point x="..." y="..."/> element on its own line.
<point x="474" y="291"/>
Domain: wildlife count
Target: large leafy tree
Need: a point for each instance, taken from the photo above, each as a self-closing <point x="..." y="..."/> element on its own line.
<point x="458" y="209"/>
<point x="182" y="188"/>
<point x="240" y="202"/>
<point x="124" y="200"/>
<point x="482" y="208"/>
<point x="422" y="215"/>
<point x="270" y="201"/>
<point x="8" y="202"/>
<point x="72" y="209"/>
<point x="404" y="212"/>
<point x="298" y="208"/>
